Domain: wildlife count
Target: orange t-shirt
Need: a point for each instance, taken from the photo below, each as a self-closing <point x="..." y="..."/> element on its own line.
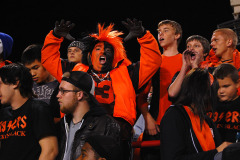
<point x="170" y="65"/>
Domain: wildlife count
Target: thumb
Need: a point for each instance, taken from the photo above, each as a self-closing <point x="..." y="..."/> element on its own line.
<point x="69" y="37"/>
<point x="128" y="37"/>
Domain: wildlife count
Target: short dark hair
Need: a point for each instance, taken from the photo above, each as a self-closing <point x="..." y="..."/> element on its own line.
<point x="205" y="43"/>
<point x="226" y="70"/>
<point x="12" y="73"/>
<point x="195" y="90"/>
<point x="31" y="53"/>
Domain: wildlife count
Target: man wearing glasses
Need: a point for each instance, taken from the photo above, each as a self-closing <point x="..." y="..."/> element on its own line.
<point x="83" y="115"/>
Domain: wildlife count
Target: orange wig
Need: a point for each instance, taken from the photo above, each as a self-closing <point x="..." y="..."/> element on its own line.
<point x="112" y="37"/>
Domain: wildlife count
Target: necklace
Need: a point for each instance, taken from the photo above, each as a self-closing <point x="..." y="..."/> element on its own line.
<point x="228" y="61"/>
<point x="101" y="79"/>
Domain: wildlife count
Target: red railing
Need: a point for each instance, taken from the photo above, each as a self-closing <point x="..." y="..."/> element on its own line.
<point x="141" y="144"/>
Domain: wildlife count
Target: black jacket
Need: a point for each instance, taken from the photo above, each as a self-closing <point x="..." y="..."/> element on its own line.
<point x="178" y="140"/>
<point x="96" y="122"/>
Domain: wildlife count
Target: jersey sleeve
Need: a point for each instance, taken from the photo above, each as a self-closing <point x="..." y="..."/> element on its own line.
<point x="51" y="56"/>
<point x="150" y="59"/>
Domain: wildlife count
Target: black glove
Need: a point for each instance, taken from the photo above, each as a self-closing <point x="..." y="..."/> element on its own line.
<point x="62" y="29"/>
<point x="135" y="29"/>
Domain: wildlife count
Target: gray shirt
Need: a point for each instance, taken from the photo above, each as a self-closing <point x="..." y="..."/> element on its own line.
<point x="71" y="134"/>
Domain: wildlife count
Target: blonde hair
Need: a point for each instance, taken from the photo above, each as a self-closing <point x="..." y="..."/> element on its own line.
<point x="229" y="34"/>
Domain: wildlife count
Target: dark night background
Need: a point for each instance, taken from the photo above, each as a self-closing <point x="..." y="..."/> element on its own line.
<point x="29" y="22"/>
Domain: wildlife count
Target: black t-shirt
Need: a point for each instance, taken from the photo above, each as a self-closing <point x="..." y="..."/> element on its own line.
<point x="227" y="119"/>
<point x="21" y="130"/>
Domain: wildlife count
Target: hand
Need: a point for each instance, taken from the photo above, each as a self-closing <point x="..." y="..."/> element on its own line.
<point x="151" y="127"/>
<point x="186" y="60"/>
<point x="62" y="29"/>
<point x="135" y="29"/>
<point x="223" y="146"/>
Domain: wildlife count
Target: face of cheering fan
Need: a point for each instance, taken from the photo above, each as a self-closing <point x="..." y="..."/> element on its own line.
<point x="74" y="54"/>
<point x="102" y="57"/>
<point x="219" y="44"/>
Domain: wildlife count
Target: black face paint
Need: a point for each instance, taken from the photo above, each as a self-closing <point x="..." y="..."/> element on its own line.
<point x="109" y="53"/>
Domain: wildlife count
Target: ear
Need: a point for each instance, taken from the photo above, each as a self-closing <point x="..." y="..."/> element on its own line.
<point x="177" y="36"/>
<point x="15" y="86"/>
<point x="238" y="84"/>
<point x="229" y="42"/>
<point x="205" y="55"/>
<point x="79" y="95"/>
<point x="89" y="58"/>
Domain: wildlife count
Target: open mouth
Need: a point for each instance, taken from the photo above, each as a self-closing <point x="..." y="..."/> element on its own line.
<point x="161" y="39"/>
<point x="214" y="49"/>
<point x="102" y="59"/>
<point x="35" y="79"/>
<point x="193" y="55"/>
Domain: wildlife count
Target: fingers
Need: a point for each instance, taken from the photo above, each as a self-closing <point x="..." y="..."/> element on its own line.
<point x="67" y="23"/>
<point x="71" y="26"/>
<point x="56" y="23"/>
<point x="154" y="131"/>
<point x="130" y="22"/>
<point x="64" y="24"/>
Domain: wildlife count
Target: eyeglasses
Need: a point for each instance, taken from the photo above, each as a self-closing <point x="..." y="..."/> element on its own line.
<point x="63" y="91"/>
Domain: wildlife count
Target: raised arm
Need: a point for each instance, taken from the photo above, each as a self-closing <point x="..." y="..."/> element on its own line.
<point x="150" y="59"/>
<point x="50" y="52"/>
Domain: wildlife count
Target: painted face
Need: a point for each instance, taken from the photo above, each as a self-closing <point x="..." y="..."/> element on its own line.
<point x="102" y="57"/>
<point x="219" y="44"/>
<point x="227" y="89"/>
<point x="1" y="47"/>
<point x="67" y="100"/>
<point x="196" y="46"/>
<point x="6" y="92"/>
<point x="87" y="153"/>
<point x="38" y="72"/>
<point x="74" y="54"/>
<point x="166" y="35"/>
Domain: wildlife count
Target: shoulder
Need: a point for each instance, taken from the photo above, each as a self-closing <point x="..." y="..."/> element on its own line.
<point x="175" y="114"/>
<point x="174" y="110"/>
<point x="37" y="105"/>
<point x="5" y="112"/>
<point x="103" y="118"/>
<point x="237" y="101"/>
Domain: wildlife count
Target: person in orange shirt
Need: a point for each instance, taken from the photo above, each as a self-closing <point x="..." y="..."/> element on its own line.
<point x="169" y="37"/>
<point x="224" y="42"/>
